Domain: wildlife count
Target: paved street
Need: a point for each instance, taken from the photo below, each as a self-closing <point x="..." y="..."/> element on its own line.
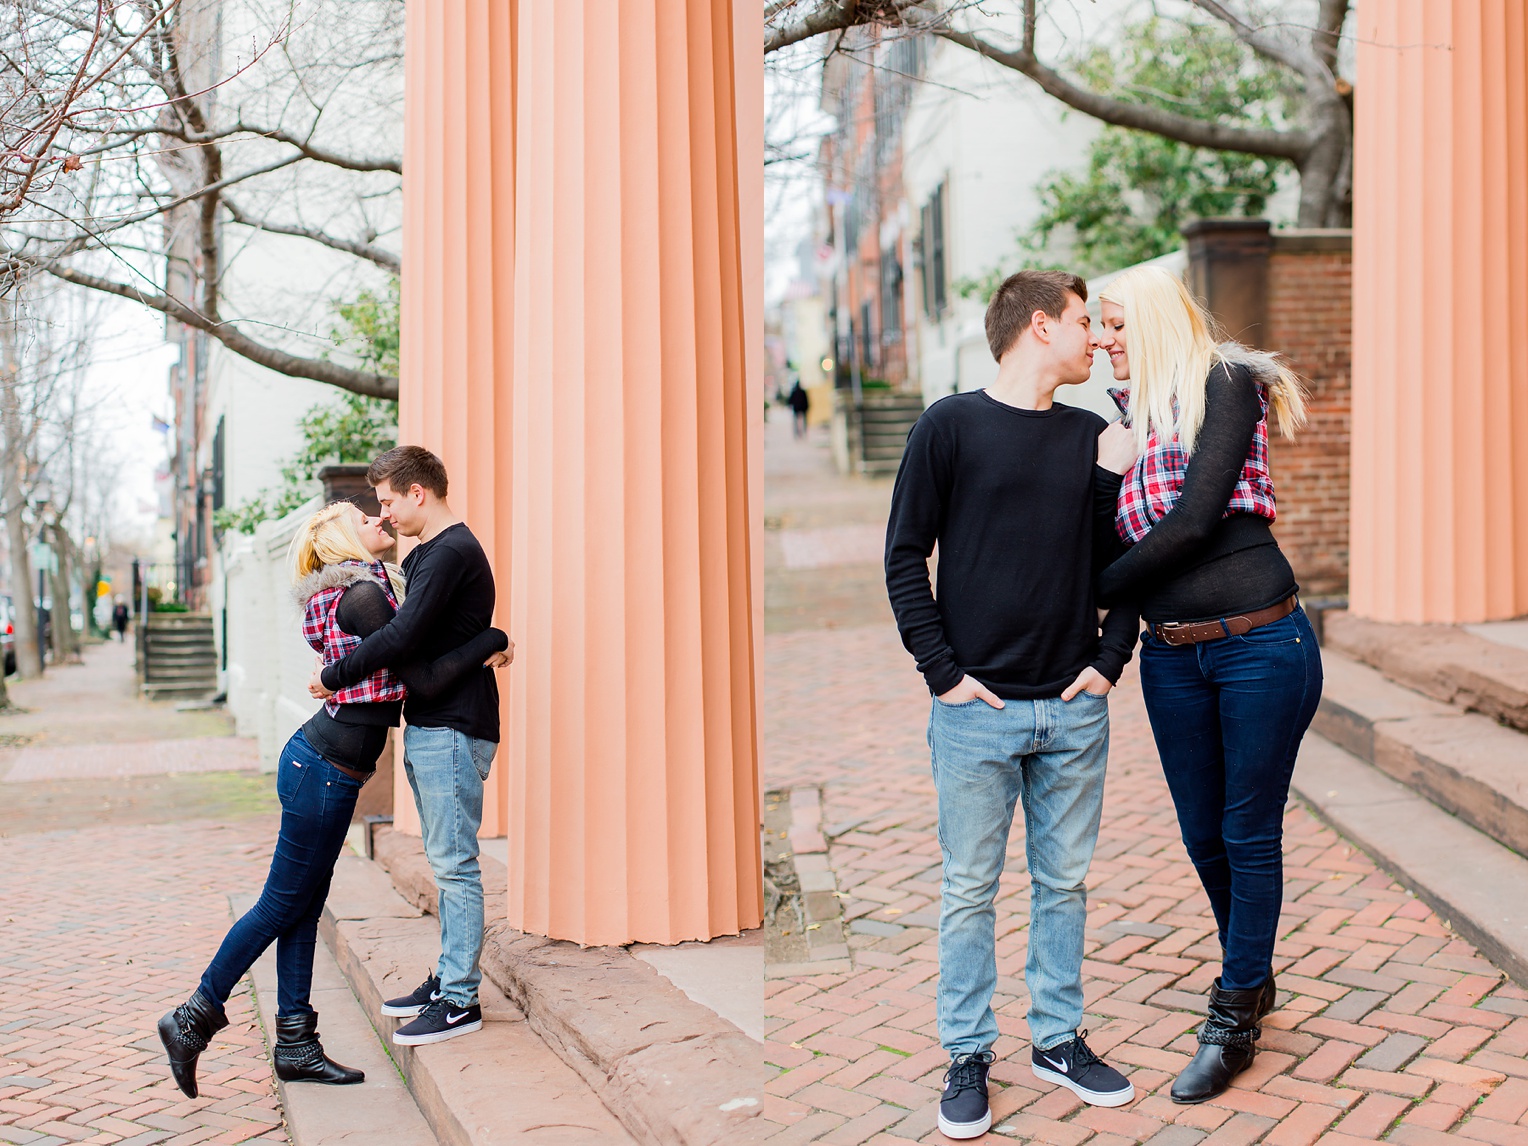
<point x="114" y="891"/>
<point x="1388" y="1027"/>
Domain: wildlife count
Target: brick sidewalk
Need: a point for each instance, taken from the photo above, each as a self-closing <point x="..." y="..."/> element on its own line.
<point x="106" y="928"/>
<point x="1388" y="1027"/>
<point x="109" y="925"/>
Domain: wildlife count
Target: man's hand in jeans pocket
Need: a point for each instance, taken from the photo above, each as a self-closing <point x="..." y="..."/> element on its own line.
<point x="1088" y="680"/>
<point x="970" y="688"/>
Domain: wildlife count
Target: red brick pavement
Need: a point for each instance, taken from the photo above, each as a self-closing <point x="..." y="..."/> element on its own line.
<point x="1388" y="1027"/>
<point x="105" y="929"/>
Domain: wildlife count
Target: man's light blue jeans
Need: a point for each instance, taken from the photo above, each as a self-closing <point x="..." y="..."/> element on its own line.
<point x="447" y="769"/>
<point x="1052" y="755"/>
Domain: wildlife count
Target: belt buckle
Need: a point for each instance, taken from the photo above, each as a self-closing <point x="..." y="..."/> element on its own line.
<point x="1168" y="630"/>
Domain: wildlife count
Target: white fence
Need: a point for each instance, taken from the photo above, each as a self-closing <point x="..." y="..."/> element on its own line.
<point x="268" y="661"/>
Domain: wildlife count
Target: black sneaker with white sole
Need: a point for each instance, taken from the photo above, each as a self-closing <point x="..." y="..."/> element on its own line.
<point x="439" y="1021"/>
<point x="1077" y="1068"/>
<point x="963" y="1110"/>
<point x="407" y="1006"/>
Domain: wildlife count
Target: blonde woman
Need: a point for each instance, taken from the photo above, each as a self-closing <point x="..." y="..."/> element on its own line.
<point x="1229" y="666"/>
<point x="346" y="592"/>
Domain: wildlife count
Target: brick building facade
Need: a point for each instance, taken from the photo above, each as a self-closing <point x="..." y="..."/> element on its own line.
<point x="1291" y="291"/>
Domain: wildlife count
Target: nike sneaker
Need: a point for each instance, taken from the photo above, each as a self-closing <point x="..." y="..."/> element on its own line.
<point x="407" y="1006"/>
<point x="439" y="1021"/>
<point x="963" y="1110"/>
<point x="1077" y="1068"/>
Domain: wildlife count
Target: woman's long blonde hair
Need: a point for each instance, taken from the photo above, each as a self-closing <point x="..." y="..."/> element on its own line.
<point x="329" y="537"/>
<point x="1171" y="345"/>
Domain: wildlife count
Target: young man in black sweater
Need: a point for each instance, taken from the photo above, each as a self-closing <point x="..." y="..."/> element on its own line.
<point x="1007" y="483"/>
<point x="450" y="738"/>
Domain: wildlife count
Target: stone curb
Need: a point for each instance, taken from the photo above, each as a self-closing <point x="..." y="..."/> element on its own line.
<point x="1465" y="763"/>
<point x="1472" y="881"/>
<point x="674" y="1072"/>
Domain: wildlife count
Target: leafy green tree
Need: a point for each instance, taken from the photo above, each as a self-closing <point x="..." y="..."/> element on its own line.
<point x="368" y="328"/>
<point x="353" y="429"/>
<point x="1138" y="189"/>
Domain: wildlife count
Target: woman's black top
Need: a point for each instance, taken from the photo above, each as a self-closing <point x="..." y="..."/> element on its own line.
<point x="1197" y="564"/>
<point x="355" y="736"/>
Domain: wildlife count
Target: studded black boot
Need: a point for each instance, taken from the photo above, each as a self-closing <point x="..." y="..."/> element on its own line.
<point x="185" y="1032"/>
<point x="300" y="1056"/>
<point x="1227" y="1043"/>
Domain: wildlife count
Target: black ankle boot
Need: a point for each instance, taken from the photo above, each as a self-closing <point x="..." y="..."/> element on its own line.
<point x="1269" y="997"/>
<point x="185" y="1032"/>
<point x="1227" y="1042"/>
<point x="300" y="1056"/>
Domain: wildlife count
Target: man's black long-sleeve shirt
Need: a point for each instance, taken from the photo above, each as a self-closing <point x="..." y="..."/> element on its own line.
<point x="1023" y="518"/>
<point x="450" y="601"/>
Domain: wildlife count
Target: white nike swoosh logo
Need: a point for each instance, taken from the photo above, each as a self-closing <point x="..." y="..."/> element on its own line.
<point x="436" y="996"/>
<point x="1061" y="1066"/>
<point x="452" y="1020"/>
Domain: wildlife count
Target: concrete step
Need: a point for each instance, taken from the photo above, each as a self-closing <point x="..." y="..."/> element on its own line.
<point x="1445" y="662"/>
<point x="179" y="690"/>
<point x="501" y="1084"/>
<point x="1471" y="880"/>
<point x="1467" y="764"/>
<point x="381" y="1109"/>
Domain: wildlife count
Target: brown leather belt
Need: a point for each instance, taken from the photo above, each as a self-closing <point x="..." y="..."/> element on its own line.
<point x="1193" y="632"/>
<point x="353" y="773"/>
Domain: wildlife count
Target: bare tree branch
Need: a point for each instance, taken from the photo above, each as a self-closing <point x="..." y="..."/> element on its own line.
<point x="1269" y="47"/>
<point x="323" y="155"/>
<point x="381" y="256"/>
<point x="317" y="369"/>
<point x="1288" y="144"/>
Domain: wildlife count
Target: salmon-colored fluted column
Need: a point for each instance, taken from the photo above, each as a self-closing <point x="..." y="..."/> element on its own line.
<point x="634" y="798"/>
<point x="458" y="303"/>
<point x="581" y="313"/>
<point x="1440" y="307"/>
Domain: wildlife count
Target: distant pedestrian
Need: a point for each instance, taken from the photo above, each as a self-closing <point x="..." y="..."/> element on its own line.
<point x="1230" y="670"/>
<point x="120" y="616"/>
<point x="800" y="403"/>
<point x="1004" y="481"/>
<point x="346" y="593"/>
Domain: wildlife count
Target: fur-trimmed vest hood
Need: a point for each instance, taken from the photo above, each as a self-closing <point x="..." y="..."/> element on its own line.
<point x="1264" y="366"/>
<point x="345" y="574"/>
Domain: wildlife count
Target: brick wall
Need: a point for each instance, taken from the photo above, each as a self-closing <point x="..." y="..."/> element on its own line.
<point x="1310" y="321"/>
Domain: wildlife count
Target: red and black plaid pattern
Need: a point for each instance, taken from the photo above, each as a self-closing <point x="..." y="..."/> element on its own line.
<point x="322" y="631"/>
<point x="1151" y="488"/>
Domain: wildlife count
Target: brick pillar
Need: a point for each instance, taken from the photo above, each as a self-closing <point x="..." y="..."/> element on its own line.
<point x="1228" y="269"/>
<point x="1310" y="322"/>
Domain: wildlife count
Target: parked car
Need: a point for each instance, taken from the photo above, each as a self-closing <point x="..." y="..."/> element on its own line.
<point x="8" y="633"/>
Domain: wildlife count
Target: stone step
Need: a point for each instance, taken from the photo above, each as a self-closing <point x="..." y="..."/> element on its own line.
<point x="1471" y="880"/>
<point x="381" y="1109"/>
<point x="1466" y="763"/>
<point x="1445" y="662"/>
<point x="500" y="1084"/>
<point x="628" y="1031"/>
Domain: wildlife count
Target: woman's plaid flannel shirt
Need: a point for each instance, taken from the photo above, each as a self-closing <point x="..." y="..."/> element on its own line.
<point x="1153" y="486"/>
<point x="321" y="630"/>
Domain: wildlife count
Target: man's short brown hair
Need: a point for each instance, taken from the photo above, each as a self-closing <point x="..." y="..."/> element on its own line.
<point x="1015" y="302"/>
<point x="405" y="466"/>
